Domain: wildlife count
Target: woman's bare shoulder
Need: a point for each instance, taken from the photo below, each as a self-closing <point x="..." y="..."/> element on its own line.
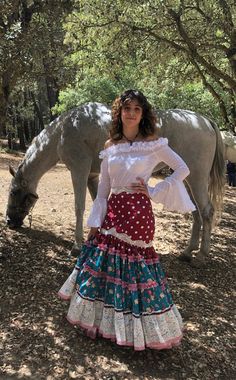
<point x="153" y="137"/>
<point x="108" y="144"/>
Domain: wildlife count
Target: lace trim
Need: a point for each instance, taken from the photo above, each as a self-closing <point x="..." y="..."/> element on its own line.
<point x="126" y="238"/>
<point x="137" y="146"/>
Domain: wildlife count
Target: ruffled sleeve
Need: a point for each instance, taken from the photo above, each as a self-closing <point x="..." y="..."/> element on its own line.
<point x="99" y="208"/>
<point x="171" y="192"/>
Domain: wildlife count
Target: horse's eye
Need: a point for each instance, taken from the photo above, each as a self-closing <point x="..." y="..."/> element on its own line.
<point x="15" y="192"/>
<point x="23" y="183"/>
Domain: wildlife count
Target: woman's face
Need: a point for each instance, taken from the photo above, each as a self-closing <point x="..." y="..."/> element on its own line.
<point x="131" y="114"/>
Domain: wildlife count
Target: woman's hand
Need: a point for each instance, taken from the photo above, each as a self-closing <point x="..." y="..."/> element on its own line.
<point x="92" y="233"/>
<point x="140" y="187"/>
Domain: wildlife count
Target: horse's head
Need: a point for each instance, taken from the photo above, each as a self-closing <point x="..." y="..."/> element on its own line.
<point x="20" y="199"/>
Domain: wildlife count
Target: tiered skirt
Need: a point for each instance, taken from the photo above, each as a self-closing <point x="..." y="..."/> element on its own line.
<point x="118" y="289"/>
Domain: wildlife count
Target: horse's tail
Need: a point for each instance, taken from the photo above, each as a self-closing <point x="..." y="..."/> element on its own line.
<point x="217" y="176"/>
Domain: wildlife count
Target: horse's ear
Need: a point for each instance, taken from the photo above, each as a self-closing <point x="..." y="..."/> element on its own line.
<point x="12" y="171"/>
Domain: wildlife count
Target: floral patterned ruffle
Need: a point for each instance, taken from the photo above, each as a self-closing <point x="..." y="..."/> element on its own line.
<point x="120" y="292"/>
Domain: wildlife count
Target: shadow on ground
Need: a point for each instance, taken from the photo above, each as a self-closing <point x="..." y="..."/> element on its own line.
<point x="38" y="343"/>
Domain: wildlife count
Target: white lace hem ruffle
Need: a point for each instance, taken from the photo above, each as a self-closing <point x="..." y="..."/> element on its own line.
<point x="137" y="146"/>
<point x="158" y="331"/>
<point x="126" y="238"/>
<point x="173" y="195"/>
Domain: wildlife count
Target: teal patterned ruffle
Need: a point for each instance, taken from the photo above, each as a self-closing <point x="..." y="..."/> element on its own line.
<point x="132" y="283"/>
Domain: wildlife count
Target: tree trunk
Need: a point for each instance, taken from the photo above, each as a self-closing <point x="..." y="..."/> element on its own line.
<point x="38" y="112"/>
<point x="26" y="130"/>
<point x="20" y="130"/>
<point x="3" y="116"/>
<point x="52" y="89"/>
<point x="4" y="98"/>
<point x="53" y="94"/>
<point x="233" y="114"/>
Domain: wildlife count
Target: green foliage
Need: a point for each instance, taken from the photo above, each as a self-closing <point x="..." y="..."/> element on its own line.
<point x="171" y="44"/>
<point x="32" y="50"/>
<point x="91" y="89"/>
<point x="192" y="96"/>
<point x="177" y="52"/>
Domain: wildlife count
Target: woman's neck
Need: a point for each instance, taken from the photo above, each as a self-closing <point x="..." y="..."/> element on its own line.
<point x="130" y="134"/>
<point x="130" y="137"/>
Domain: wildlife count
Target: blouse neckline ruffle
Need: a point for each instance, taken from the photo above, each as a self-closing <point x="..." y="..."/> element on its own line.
<point x="137" y="146"/>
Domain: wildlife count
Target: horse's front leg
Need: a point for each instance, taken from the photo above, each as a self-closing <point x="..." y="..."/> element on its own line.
<point x="79" y="180"/>
<point x="93" y="184"/>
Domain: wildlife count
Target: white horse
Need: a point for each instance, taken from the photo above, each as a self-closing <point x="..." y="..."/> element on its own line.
<point x="230" y="145"/>
<point x="76" y="138"/>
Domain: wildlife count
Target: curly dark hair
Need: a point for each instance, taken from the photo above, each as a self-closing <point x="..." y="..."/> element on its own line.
<point x="148" y="121"/>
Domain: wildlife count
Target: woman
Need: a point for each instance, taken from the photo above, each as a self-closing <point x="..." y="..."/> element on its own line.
<point x="231" y="171"/>
<point x="118" y="289"/>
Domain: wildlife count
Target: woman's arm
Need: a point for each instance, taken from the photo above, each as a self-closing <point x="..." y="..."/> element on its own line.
<point x="171" y="192"/>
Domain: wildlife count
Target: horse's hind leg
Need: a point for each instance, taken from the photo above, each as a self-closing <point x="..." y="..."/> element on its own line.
<point x="193" y="245"/>
<point x="206" y="211"/>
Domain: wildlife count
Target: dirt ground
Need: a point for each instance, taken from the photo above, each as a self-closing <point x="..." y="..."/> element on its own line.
<point x="36" y="341"/>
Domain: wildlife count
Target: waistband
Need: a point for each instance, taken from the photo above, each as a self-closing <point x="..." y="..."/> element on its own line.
<point x="121" y="189"/>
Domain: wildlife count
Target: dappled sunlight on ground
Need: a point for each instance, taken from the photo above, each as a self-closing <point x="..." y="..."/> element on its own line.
<point x="38" y="343"/>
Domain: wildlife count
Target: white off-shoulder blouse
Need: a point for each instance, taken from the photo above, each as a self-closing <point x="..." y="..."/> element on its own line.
<point x="123" y="163"/>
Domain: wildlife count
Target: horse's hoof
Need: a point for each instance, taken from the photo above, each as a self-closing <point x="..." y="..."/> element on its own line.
<point x="198" y="262"/>
<point x="75" y="252"/>
<point x="185" y="257"/>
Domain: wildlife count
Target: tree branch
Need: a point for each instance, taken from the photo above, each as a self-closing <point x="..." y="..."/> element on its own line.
<point x="211" y="69"/>
<point x="200" y="11"/>
<point x="229" y="24"/>
<point x="151" y="33"/>
<point x="209" y="87"/>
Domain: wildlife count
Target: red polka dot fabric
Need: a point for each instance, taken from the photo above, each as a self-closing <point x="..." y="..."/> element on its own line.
<point x="130" y="214"/>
